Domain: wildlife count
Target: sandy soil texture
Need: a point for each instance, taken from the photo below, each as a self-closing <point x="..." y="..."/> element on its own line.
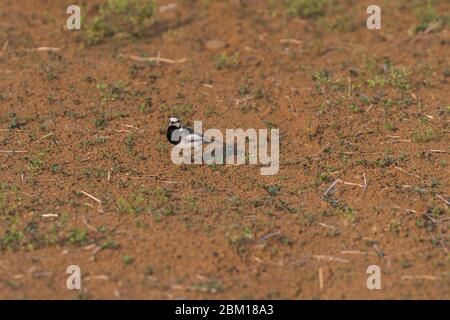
<point x="86" y="176"/>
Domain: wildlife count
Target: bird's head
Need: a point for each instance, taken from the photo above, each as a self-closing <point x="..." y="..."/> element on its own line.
<point x="175" y="121"/>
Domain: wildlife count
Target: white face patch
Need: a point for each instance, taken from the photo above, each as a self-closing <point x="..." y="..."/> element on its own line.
<point x="174" y="120"/>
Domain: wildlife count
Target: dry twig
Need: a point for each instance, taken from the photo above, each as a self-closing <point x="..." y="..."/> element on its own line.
<point x="320" y="278"/>
<point x="48" y="49"/>
<point x="13" y="151"/>
<point x="100" y="209"/>
<point x="291" y="41"/>
<point x="168" y="7"/>
<point x="331" y="187"/>
<point x="91" y="196"/>
<point x="318" y="152"/>
<point x="152" y="59"/>
<point x="330" y="258"/>
<point x="356" y="252"/>
<point x="43" y="137"/>
<point x="420" y="277"/>
<point x="443" y="199"/>
<point x="5" y="45"/>
<point x="438" y="151"/>
<point x="119" y="131"/>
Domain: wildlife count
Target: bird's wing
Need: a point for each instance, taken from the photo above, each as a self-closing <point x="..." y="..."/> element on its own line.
<point x="185" y="131"/>
<point x="193" y="137"/>
<point x="188" y="135"/>
<point x="189" y="130"/>
<point x="179" y="134"/>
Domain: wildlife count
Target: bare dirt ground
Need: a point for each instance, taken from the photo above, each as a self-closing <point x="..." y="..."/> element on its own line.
<point x="368" y="107"/>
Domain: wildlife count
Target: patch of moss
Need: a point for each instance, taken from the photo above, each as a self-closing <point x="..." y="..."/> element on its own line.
<point x="306" y="8"/>
<point x="121" y="18"/>
<point x="426" y="14"/>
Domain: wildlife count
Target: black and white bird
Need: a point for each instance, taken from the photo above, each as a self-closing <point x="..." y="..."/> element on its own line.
<point x="184" y="137"/>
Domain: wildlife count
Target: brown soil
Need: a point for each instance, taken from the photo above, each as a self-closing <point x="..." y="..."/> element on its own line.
<point x="87" y="119"/>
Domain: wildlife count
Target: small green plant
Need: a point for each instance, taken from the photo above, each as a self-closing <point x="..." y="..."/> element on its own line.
<point x="243" y="90"/>
<point x="240" y="240"/>
<point x="161" y="195"/>
<point x="376" y="81"/>
<point x="426" y="14"/>
<point x="384" y="162"/>
<point x="112" y="92"/>
<point x="209" y="286"/>
<point x="423" y="136"/>
<point x="306" y="8"/>
<point x="321" y="78"/>
<point x="121" y="18"/>
<point x="389" y="126"/>
<point x="344" y="22"/>
<point x="209" y="111"/>
<point x="146" y="107"/>
<point x="225" y="61"/>
<point x="109" y="244"/>
<point x="324" y="177"/>
<point x="168" y="211"/>
<point x="36" y="163"/>
<point x="142" y="225"/>
<point x="399" y="78"/>
<point x="9" y="199"/>
<point x="47" y="17"/>
<point x="395" y="226"/>
<point x="354" y="108"/>
<point x="127" y="260"/>
<point x="183" y="110"/>
<point x="95" y="141"/>
<point x="350" y="214"/>
<point x="78" y="236"/>
<point x="11" y="239"/>
<point x="405" y="264"/>
<point x="133" y="204"/>
<point x="54" y="168"/>
<point x="396" y="77"/>
<point x="130" y="144"/>
<point x="272" y="190"/>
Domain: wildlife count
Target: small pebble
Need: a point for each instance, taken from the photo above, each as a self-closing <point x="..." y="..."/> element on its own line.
<point x="215" y="44"/>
